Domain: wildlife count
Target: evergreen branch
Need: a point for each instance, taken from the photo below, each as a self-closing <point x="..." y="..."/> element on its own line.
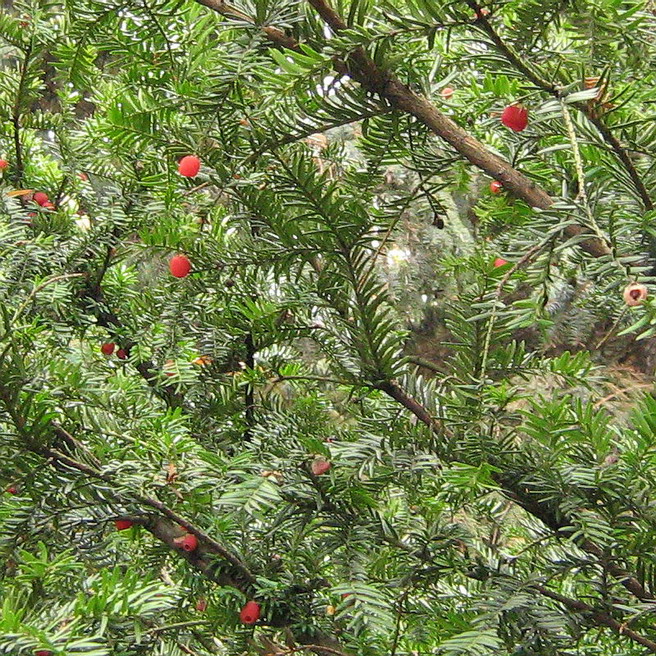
<point x="16" y="115"/>
<point x="401" y="97"/>
<point x="598" y="617"/>
<point x="272" y="33"/>
<point x="531" y="503"/>
<point x="166" y="531"/>
<point x="520" y="64"/>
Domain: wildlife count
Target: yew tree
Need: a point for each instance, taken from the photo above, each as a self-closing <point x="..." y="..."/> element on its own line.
<point x="327" y="327"/>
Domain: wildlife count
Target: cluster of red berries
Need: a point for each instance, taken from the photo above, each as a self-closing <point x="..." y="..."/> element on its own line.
<point x="108" y="349"/>
<point x="249" y="614"/>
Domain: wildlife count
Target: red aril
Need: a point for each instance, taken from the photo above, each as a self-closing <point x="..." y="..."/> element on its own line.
<point x="189" y="166"/>
<point x="40" y="198"/>
<point x="515" y="117"/>
<point x="320" y="466"/>
<point x="496" y="187"/>
<point x="250" y="613"/>
<point x="108" y="348"/>
<point x="499" y="262"/>
<point x="123" y="524"/>
<point x="180" y="266"/>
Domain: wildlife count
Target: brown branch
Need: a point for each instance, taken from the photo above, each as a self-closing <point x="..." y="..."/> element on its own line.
<point x="522" y="495"/>
<point x="361" y="68"/>
<point x="599" y="617"/>
<point x="208" y="543"/>
<point x="401" y="97"/>
<point x="519" y="63"/>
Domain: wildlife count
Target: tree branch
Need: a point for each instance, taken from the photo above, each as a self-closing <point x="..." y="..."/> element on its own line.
<point x="598" y="617"/>
<point x="361" y="68"/>
<point x="519" y="63"/>
<point x="521" y="494"/>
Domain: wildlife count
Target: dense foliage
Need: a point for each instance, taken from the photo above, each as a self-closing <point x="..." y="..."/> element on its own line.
<point x="378" y="406"/>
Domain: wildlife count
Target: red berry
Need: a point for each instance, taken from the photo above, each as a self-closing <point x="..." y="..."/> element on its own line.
<point x="40" y="198"/>
<point x="83" y="176"/>
<point x="180" y="266"/>
<point x="122" y="354"/>
<point x="201" y="605"/>
<point x="48" y="206"/>
<point x="189" y="166"/>
<point x="188" y="542"/>
<point x="320" y="466"/>
<point x="515" y="117"/>
<point x="499" y="262"/>
<point x="496" y="187"/>
<point x="123" y="524"/>
<point x="43" y="652"/>
<point x="108" y="348"/>
<point x="12" y="489"/>
<point x="250" y="613"/>
<point x="3" y="164"/>
<point x="447" y="93"/>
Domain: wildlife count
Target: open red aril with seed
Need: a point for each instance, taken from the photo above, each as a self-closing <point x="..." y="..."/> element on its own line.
<point x="635" y="294"/>
<point x="250" y="613"/>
